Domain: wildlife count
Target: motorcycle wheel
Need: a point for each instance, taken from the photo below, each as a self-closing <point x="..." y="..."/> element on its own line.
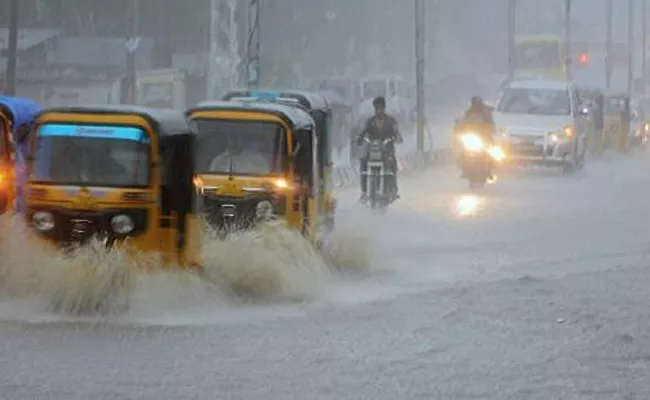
<point x="475" y="183"/>
<point x="372" y="189"/>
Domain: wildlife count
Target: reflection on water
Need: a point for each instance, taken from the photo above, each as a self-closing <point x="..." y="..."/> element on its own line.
<point x="468" y="205"/>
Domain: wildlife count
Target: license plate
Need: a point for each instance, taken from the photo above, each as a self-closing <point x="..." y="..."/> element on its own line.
<point x="526" y="144"/>
<point x="228" y="210"/>
<point x="375" y="155"/>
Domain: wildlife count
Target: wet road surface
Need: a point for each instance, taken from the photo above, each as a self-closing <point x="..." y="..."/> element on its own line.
<point x="536" y="288"/>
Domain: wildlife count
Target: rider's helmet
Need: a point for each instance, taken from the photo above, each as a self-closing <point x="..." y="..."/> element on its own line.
<point x="379" y="102"/>
<point x="477" y="102"/>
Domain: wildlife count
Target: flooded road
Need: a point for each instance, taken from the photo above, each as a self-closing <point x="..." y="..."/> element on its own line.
<point x="535" y="288"/>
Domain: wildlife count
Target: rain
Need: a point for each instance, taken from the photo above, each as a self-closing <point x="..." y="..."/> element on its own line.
<point x="512" y="263"/>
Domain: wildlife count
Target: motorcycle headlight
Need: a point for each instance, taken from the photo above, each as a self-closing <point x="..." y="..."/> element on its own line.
<point x="122" y="224"/>
<point x="472" y="142"/>
<point x="43" y="221"/>
<point x="264" y="209"/>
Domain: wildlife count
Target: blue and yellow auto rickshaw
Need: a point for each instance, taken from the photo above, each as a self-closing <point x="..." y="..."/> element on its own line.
<point x="16" y="118"/>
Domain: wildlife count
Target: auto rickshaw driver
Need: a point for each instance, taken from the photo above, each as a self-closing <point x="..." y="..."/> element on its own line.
<point x="249" y="158"/>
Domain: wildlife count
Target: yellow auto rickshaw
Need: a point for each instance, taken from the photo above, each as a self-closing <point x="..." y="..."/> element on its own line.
<point x="317" y="105"/>
<point x="259" y="160"/>
<point x="617" y="121"/>
<point x="116" y="172"/>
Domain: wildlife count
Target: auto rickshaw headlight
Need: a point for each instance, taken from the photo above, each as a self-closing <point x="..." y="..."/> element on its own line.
<point x="264" y="209"/>
<point x="122" y="224"/>
<point x="281" y="184"/>
<point x="43" y="221"/>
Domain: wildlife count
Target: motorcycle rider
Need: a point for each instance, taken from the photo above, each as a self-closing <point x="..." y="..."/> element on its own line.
<point x="479" y="117"/>
<point x="479" y="114"/>
<point x="380" y="126"/>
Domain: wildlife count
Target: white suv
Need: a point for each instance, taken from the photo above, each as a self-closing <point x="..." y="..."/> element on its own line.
<point x="540" y="122"/>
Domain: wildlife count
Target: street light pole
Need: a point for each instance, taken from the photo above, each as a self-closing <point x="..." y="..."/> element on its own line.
<point x="12" y="49"/>
<point x="419" y="73"/>
<point x="512" y="21"/>
<point x="644" y="45"/>
<point x="608" y="45"/>
<point x="253" y="45"/>
<point x="630" y="50"/>
<point x="211" y="78"/>
<point x="567" y="38"/>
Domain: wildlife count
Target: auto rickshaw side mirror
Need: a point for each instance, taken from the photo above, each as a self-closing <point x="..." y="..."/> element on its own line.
<point x="294" y="155"/>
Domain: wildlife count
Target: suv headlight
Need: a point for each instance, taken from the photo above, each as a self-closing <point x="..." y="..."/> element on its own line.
<point x="122" y="224"/>
<point x="43" y="221"/>
<point x="565" y="134"/>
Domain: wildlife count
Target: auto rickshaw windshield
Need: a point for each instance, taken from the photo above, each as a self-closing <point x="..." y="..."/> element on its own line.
<point x="537" y="55"/>
<point x="241" y="147"/>
<point x="85" y="155"/>
<point x="613" y="106"/>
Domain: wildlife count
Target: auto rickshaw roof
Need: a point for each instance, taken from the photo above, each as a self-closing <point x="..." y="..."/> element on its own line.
<point x="616" y="95"/>
<point x="22" y="110"/>
<point x="310" y="100"/>
<point x="297" y="117"/>
<point x="539" y="84"/>
<point x="539" y="38"/>
<point x="168" y="122"/>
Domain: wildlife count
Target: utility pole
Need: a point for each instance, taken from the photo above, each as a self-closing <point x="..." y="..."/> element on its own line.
<point x="567" y="39"/>
<point x="512" y="23"/>
<point x="132" y="44"/>
<point x="253" y="45"/>
<point x="419" y="73"/>
<point x="12" y="49"/>
<point x="608" y="45"/>
<point x="630" y="44"/>
<point x="644" y="46"/>
<point x="211" y="73"/>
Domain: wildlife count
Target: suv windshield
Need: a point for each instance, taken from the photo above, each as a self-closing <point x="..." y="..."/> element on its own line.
<point x="535" y="101"/>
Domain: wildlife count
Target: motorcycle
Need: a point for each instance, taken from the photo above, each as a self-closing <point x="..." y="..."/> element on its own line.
<point x="478" y="159"/>
<point x="380" y="194"/>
